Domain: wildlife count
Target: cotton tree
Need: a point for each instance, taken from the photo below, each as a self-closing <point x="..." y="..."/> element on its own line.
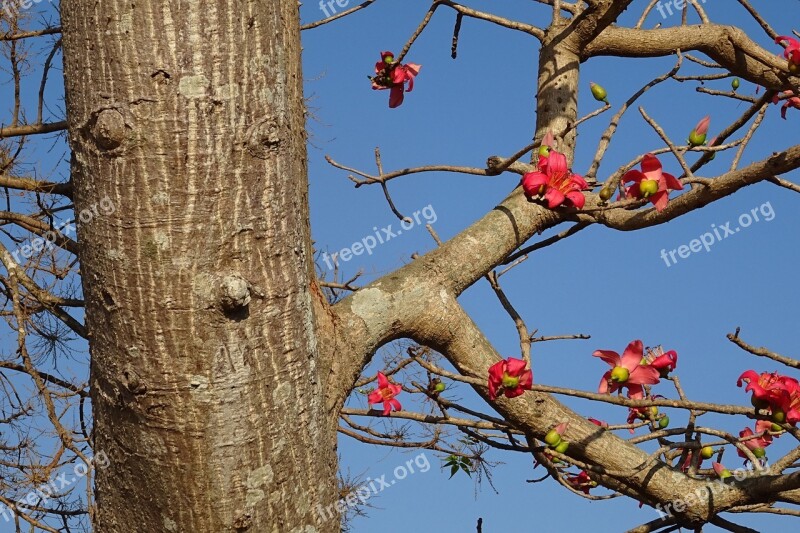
<point x="223" y="364"/>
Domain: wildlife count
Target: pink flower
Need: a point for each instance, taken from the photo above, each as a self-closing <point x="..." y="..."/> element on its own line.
<point x="788" y="404"/>
<point x="555" y="182"/>
<point x="626" y="371"/>
<point x="665" y="362"/>
<point x="791" y="52"/>
<point x="721" y="471"/>
<point x="391" y="75"/>
<point x="548" y="143"/>
<point x="597" y="422"/>
<point x="510" y="378"/>
<point x="697" y="137"/>
<point x="385" y="394"/>
<point x="651" y="182"/>
<point x="581" y="482"/>
<point x="789" y="101"/>
<point x="756" y="444"/>
<point x="769" y="389"/>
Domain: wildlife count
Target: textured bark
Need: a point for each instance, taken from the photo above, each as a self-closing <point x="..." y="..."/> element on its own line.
<point x="207" y="395"/>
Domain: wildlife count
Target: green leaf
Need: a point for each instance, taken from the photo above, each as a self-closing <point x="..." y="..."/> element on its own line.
<point x="453" y="471"/>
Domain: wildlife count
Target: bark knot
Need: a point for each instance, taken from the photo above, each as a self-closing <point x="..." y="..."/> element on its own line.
<point x="234" y="293"/>
<point x="108" y="130"/>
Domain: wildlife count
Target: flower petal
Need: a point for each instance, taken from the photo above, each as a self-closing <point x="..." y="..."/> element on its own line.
<point x="554" y="197"/>
<point x="632" y="356"/>
<point x="651" y="167"/>
<point x="610" y="357"/>
<point x="515" y="366"/>
<point x="557" y="163"/>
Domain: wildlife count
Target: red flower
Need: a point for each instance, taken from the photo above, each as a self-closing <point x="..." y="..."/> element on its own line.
<point x="581" y="482"/>
<point x="510" y="378"/>
<point x="769" y="389"/>
<point x="791" y="52"/>
<point x="665" y="362"/>
<point x="626" y="371"/>
<point x="555" y="182"/>
<point x="789" y="101"/>
<point x="391" y="75"/>
<point x="697" y="137"/>
<point x="756" y="444"/>
<point x="789" y="404"/>
<point x="385" y="394"/>
<point x="651" y="182"/>
<point x="597" y="422"/>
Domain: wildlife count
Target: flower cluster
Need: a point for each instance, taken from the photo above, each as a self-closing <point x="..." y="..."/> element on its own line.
<point x="633" y="370"/>
<point x="555" y="182"/>
<point x="777" y="393"/>
<point x="392" y="75"/>
<point x="385" y="394"/>
<point x="509" y="377"/>
<point x="651" y="183"/>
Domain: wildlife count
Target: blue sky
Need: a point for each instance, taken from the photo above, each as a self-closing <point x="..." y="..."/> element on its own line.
<point x="613" y="286"/>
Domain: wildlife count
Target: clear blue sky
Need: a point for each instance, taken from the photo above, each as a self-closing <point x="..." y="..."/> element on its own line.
<point x="611" y="285"/>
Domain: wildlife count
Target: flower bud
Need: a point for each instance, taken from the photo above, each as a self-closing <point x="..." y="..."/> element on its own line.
<point x="707" y="452"/>
<point x="759" y="452"/>
<point x="648" y="188"/>
<point x="778" y="416"/>
<point x="439" y="387"/>
<point x="544" y="150"/>
<point x="664" y="422"/>
<point x="562" y="446"/>
<point x="598" y="92"/>
<point x="735" y="83"/>
<point x="606" y="192"/>
<point x="552" y="438"/>
<point x="620" y="374"/>
<point x="697" y="139"/>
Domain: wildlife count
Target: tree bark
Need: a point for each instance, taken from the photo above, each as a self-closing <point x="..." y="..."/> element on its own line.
<point x="207" y="393"/>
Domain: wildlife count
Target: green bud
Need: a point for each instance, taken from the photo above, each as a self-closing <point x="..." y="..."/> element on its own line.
<point x="794" y="68"/>
<point x="599" y="93"/>
<point x="707" y="452"/>
<point x="664" y="422"/>
<point x="778" y="416"/>
<point x="725" y="474"/>
<point x="620" y="374"/>
<point x="552" y="438"/>
<point x="648" y="188"/>
<point x="759" y="453"/>
<point x="696" y="139"/>
<point x="606" y="193"/>
<point x="439" y="387"/>
<point x="544" y="150"/>
<point x="653" y="410"/>
<point x="562" y="447"/>
<point x="735" y="83"/>
<point x="776" y="427"/>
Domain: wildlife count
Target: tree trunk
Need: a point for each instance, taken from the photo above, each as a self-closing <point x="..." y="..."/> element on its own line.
<point x="207" y="395"/>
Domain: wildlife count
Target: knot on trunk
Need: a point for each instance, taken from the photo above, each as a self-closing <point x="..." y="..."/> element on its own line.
<point x="108" y="130"/>
<point x="234" y="293"/>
